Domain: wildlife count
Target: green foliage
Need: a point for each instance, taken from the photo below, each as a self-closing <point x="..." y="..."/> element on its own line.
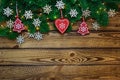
<point x="98" y="12"/>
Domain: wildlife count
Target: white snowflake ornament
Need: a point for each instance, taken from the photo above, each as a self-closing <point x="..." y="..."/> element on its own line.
<point x="96" y="26"/>
<point x="10" y="24"/>
<point x="38" y="36"/>
<point x="20" y="39"/>
<point x="8" y="12"/>
<point x="60" y="4"/>
<point x="111" y="13"/>
<point x="47" y="9"/>
<point x="28" y="14"/>
<point x="62" y="26"/>
<point x="30" y="35"/>
<point x="86" y="13"/>
<point x="73" y="13"/>
<point x="36" y="22"/>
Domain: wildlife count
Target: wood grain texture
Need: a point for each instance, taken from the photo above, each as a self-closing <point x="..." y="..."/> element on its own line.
<point x="64" y="57"/>
<point x="60" y="57"/>
<point x="60" y="72"/>
<point x="69" y="40"/>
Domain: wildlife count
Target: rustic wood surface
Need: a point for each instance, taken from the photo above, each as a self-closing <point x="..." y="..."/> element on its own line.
<point x="97" y="72"/>
<point x="54" y="57"/>
<point x="64" y="57"/>
<point x="69" y="40"/>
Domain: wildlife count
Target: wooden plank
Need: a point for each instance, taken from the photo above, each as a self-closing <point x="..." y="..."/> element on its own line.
<point x="60" y="72"/>
<point x="68" y="40"/>
<point x="60" y="57"/>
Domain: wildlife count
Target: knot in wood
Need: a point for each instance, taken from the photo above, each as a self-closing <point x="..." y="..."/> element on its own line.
<point x="72" y="54"/>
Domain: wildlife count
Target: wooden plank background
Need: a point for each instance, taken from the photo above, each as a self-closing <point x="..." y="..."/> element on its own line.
<point x="64" y="57"/>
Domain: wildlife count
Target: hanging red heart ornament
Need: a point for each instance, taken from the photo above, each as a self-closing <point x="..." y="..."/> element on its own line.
<point x="62" y="24"/>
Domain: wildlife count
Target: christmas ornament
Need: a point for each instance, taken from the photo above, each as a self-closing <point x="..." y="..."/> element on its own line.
<point x="86" y="13"/>
<point x="60" y="4"/>
<point x="28" y="14"/>
<point x="30" y="35"/>
<point x="96" y="26"/>
<point x="111" y="13"/>
<point x="62" y="23"/>
<point x="47" y="9"/>
<point x="73" y="13"/>
<point x="20" y="39"/>
<point x="38" y="36"/>
<point x="18" y="25"/>
<point x="83" y="29"/>
<point x="8" y="12"/>
<point x="36" y="22"/>
<point x="10" y="24"/>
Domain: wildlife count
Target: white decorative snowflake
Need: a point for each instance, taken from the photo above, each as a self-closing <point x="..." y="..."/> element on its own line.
<point x="8" y="12"/>
<point x="38" y="36"/>
<point x="47" y="9"/>
<point x="96" y="26"/>
<point x="86" y="13"/>
<point x="20" y="39"/>
<point x="62" y="25"/>
<point x="10" y="24"/>
<point x="83" y="29"/>
<point x="36" y="22"/>
<point x="73" y="13"/>
<point x="28" y="14"/>
<point x="30" y="35"/>
<point x="60" y="4"/>
<point x="111" y="13"/>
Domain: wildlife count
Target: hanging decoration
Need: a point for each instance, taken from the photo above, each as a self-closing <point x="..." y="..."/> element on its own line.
<point x="33" y="18"/>
<point x="83" y="29"/>
<point x="18" y="25"/>
<point x="61" y="23"/>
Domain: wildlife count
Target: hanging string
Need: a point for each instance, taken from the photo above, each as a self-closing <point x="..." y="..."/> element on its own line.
<point x="17" y="8"/>
<point x="61" y="13"/>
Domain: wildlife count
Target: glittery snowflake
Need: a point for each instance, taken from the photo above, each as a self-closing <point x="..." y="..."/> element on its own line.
<point x="86" y="13"/>
<point x="62" y="25"/>
<point x="95" y="25"/>
<point x="20" y="39"/>
<point x="28" y="14"/>
<point x="111" y="13"/>
<point x="47" y="9"/>
<point x="30" y="35"/>
<point x="60" y="4"/>
<point x="83" y="29"/>
<point x="36" y="22"/>
<point x="38" y="36"/>
<point x="8" y="12"/>
<point x="10" y="24"/>
<point x="73" y="13"/>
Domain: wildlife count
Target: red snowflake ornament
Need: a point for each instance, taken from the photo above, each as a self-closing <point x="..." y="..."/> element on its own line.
<point x="18" y="26"/>
<point x="83" y="29"/>
<point x="62" y="24"/>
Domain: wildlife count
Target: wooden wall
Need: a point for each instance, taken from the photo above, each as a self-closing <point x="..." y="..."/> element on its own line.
<point x="64" y="57"/>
